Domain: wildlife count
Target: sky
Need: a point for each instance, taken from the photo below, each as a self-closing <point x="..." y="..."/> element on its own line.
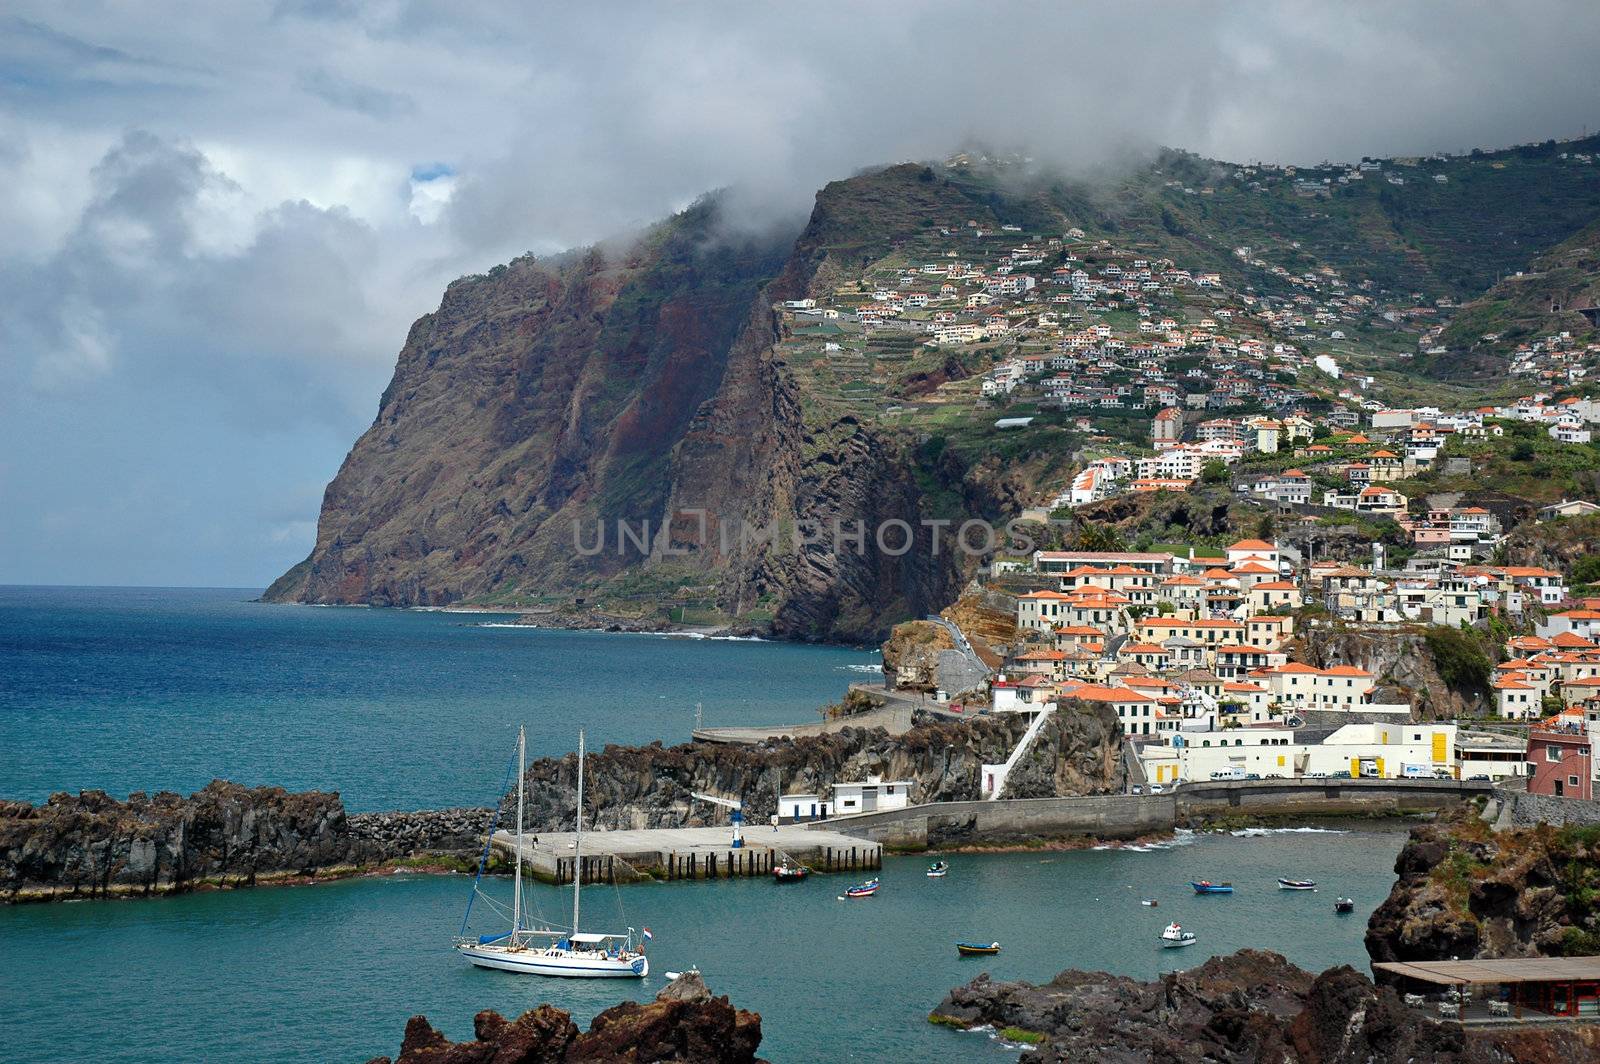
<point x="219" y="220"/>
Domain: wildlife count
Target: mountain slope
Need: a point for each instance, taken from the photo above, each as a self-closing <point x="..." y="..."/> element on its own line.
<point x="548" y="400"/>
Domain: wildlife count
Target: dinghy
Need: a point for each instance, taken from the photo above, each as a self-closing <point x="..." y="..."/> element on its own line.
<point x="1296" y="884"/>
<point x="1205" y="886"/>
<point x="938" y="870"/>
<point x="1344" y="906"/>
<point x="863" y="890"/>
<point x="974" y="949"/>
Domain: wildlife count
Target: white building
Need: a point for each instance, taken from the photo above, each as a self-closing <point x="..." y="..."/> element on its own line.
<point x="874" y="796"/>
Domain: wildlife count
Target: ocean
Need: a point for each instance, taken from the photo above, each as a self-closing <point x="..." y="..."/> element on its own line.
<point x="146" y="689"/>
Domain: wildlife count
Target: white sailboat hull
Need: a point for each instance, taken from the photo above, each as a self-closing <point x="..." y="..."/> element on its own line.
<point x="557" y="962"/>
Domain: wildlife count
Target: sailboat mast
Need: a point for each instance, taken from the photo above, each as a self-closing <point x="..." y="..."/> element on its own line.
<point x="516" y="890"/>
<point x="577" y="846"/>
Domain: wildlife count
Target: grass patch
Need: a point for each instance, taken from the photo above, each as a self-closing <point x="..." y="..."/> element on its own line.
<point x="1022" y="1035"/>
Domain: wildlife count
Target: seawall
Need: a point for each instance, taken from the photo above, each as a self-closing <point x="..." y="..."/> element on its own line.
<point x="1019" y="821"/>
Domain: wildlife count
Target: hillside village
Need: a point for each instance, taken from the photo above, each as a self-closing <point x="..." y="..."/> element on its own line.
<point x="1160" y="372"/>
<point x="1203" y="654"/>
<point x="1172" y="378"/>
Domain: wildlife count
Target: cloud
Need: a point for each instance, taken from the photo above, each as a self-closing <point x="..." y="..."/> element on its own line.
<point x="341" y="92"/>
<point x="226" y="216"/>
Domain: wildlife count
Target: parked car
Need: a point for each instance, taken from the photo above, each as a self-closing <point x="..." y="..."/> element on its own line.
<point x="1342" y="775"/>
<point x="1252" y="775"/>
<point x="1156" y="788"/>
<point x="1479" y="776"/>
<point x="1137" y="789"/>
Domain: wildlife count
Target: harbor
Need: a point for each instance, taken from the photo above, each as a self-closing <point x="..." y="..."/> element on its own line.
<point x="687" y="853"/>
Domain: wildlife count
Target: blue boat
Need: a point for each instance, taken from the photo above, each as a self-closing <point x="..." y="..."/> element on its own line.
<point x="1205" y="886"/>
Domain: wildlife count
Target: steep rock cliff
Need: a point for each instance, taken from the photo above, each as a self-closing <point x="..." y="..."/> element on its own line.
<point x="547" y="401"/>
<point x="1464" y="891"/>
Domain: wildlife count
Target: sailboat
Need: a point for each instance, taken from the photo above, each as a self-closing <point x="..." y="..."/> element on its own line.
<point x="547" y="950"/>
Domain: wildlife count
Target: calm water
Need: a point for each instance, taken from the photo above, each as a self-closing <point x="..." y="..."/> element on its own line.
<point x="130" y="689"/>
<point x="332" y="972"/>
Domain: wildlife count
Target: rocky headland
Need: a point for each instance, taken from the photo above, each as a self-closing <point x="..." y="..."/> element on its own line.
<point x="1251" y="1007"/>
<point x="684" y="1023"/>
<point x="1465" y="891"/>
<point x="224" y="835"/>
<point x="1077" y="752"/>
<point x="1462" y="892"/>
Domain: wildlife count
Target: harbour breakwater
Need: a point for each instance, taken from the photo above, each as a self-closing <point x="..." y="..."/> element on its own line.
<point x="224" y="835"/>
<point x="1076" y="752"/>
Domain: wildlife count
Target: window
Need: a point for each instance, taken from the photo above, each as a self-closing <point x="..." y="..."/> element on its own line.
<point x="1552" y="753"/>
<point x="1572" y="780"/>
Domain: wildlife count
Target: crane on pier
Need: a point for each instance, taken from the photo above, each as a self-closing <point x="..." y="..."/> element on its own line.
<point x="737" y="808"/>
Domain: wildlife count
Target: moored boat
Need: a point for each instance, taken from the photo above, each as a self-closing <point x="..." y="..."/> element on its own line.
<point x="974" y="949"/>
<point x="938" y="869"/>
<point x="1205" y="886"/>
<point x="862" y="890"/>
<point x="573" y="955"/>
<point x="1175" y="936"/>
<point x="790" y="873"/>
<point x="1296" y="884"/>
<point x="1344" y="906"/>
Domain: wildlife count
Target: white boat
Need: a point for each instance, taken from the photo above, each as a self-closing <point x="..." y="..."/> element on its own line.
<point x="545" y="950"/>
<point x="1175" y="936"/>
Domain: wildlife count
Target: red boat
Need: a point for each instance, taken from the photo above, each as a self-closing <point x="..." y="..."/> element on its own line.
<point x="788" y="873"/>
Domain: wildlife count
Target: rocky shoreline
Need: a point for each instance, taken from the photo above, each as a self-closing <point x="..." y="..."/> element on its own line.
<point x="90" y="845"/>
<point x="684" y="1023"/>
<point x="1251" y="1007"/>
<point x="1462" y="892"/>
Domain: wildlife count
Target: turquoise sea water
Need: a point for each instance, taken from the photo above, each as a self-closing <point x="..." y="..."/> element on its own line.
<point x="332" y="972"/>
<point x="135" y="689"/>
<point x="126" y="689"/>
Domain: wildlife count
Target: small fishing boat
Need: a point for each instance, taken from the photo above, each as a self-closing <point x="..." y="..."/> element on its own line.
<point x="863" y="890"/>
<point x="790" y="873"/>
<point x="1205" y="886"/>
<point x="938" y="869"/>
<point x="1175" y="937"/>
<point x="1344" y="906"/>
<point x="1296" y="884"/>
<point x="1150" y="902"/>
<point x="975" y="949"/>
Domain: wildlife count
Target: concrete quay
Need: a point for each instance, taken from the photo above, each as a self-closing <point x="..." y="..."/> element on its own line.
<point x="688" y="853"/>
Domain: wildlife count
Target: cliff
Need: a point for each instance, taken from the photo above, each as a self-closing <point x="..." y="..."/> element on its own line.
<point x="547" y="401"/>
<point x="1464" y="891"/>
<point x="1251" y="1007"/>
<point x="683" y="1023"/>
<point x="650" y="786"/>
<point x="225" y="835"/>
